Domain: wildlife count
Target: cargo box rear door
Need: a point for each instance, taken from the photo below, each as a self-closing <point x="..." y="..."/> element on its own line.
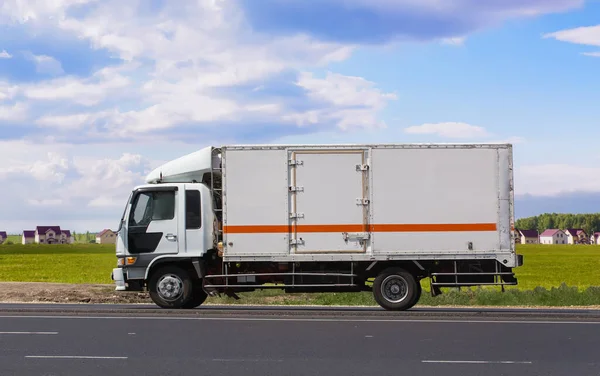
<point x="328" y="210"/>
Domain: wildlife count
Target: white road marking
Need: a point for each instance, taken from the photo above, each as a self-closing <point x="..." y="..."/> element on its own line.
<point x="74" y="357"/>
<point x="477" y="361"/>
<point x="49" y="333"/>
<point x="368" y="336"/>
<point x="248" y="360"/>
<point x="399" y="320"/>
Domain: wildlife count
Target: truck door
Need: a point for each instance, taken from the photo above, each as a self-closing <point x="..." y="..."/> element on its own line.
<point x="153" y="222"/>
<point x="329" y="201"/>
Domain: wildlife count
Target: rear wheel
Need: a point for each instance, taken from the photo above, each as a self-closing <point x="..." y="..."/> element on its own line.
<point x="417" y="296"/>
<point x="171" y="287"/>
<point x="395" y="289"/>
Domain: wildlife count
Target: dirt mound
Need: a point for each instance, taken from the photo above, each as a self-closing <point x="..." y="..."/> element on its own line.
<point x="34" y="292"/>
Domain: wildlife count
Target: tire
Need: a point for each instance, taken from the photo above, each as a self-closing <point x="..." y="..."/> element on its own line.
<point x="198" y="296"/>
<point x="417" y="296"/>
<point x="171" y="287"/>
<point x="395" y="289"/>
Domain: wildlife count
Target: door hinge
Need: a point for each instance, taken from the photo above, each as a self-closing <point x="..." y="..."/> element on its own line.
<point x="297" y="241"/>
<point x="296" y="215"/>
<point x="362" y="167"/>
<point x="362" y="201"/>
<point x="296" y="189"/>
<point x="295" y="162"/>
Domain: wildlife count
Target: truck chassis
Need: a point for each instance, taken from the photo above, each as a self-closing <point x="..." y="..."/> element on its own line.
<point x="395" y="285"/>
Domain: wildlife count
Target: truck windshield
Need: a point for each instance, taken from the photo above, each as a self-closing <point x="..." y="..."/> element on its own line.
<point x="124" y="211"/>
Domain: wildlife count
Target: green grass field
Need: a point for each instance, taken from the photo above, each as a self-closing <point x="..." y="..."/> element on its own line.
<point x="545" y="269"/>
<point x="64" y="263"/>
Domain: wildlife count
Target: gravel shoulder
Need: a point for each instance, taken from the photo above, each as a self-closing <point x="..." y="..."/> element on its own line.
<point x="40" y="292"/>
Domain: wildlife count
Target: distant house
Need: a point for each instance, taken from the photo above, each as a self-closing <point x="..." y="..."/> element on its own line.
<point x="106" y="236"/>
<point x="529" y="236"/>
<point x="66" y="237"/>
<point x="52" y="235"/>
<point x="553" y="236"/>
<point x="576" y="236"/>
<point x="28" y="237"/>
<point x="3" y="236"/>
<point x="47" y="234"/>
<point x="595" y="238"/>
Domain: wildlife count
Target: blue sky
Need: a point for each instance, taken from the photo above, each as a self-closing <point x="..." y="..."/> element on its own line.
<point x="95" y="93"/>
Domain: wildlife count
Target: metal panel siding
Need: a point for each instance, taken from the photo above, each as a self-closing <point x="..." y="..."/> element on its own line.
<point x="331" y="186"/>
<point x="434" y="186"/>
<point x="427" y="202"/>
<point x="255" y="193"/>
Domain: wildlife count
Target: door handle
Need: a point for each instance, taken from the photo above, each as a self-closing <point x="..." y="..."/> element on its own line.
<point x="171" y="237"/>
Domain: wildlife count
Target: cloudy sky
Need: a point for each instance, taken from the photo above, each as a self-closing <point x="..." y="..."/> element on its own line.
<point x="95" y="93"/>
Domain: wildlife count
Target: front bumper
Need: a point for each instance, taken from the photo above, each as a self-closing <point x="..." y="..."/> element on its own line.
<point x="128" y="279"/>
<point x="119" y="277"/>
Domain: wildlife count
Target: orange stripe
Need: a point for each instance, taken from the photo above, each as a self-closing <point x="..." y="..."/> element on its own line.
<point x="434" y="227"/>
<point x="442" y="227"/>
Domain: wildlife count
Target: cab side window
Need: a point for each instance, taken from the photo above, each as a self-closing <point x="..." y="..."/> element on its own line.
<point x="193" y="217"/>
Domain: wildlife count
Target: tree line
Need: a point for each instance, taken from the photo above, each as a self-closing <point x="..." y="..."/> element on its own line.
<point x="590" y="223"/>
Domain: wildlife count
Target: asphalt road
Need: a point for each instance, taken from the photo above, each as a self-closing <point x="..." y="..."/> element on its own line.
<point x="236" y="310"/>
<point x="314" y="342"/>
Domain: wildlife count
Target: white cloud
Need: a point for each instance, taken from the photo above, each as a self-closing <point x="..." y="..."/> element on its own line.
<point x="448" y="130"/>
<point x="175" y="63"/>
<point x="7" y="91"/>
<point x="51" y="169"/>
<point x="586" y="35"/>
<point x="556" y="179"/>
<point x="46" y="64"/>
<point x="36" y="10"/>
<point x="45" y="202"/>
<point x="354" y="100"/>
<point x="12" y="113"/>
<point x="5" y="55"/>
<point x="82" y="187"/>
<point x="105" y="182"/>
<point x="343" y="90"/>
<point x="456" y="41"/>
<point x="70" y="122"/>
<point x="592" y="54"/>
<point x="88" y="91"/>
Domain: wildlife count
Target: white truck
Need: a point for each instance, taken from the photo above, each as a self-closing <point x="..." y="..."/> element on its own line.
<point x="320" y="218"/>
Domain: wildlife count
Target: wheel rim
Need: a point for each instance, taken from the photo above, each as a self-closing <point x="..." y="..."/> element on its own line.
<point x="170" y="287"/>
<point x="394" y="288"/>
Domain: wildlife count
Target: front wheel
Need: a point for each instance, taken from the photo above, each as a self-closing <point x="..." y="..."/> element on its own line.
<point x="395" y="289"/>
<point x="198" y="296"/>
<point x="171" y="287"/>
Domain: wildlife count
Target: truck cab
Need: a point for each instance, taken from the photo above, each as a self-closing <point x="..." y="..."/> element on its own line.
<point x="162" y="222"/>
<point x="171" y="221"/>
